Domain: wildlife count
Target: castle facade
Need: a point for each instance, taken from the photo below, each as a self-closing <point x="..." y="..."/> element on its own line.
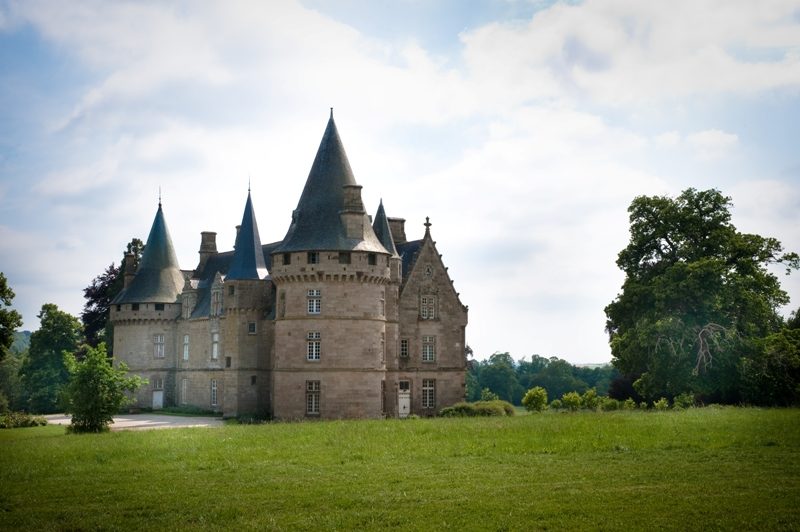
<point x="343" y="318"/>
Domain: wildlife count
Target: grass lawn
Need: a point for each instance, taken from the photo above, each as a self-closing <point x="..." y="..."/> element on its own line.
<point x="699" y="469"/>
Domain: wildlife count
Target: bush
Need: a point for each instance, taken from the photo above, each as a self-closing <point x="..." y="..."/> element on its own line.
<point x="662" y="404"/>
<point x="478" y="408"/>
<point x="489" y="395"/>
<point x="556" y="404"/>
<point x="535" y="399"/>
<point x="590" y="399"/>
<point x="607" y="404"/>
<point x="629" y="404"/>
<point x="571" y="400"/>
<point x="643" y="405"/>
<point x="13" y="420"/>
<point x="96" y="390"/>
<point x="684" y="400"/>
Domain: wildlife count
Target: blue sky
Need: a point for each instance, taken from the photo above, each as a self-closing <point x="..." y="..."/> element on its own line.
<point x="522" y="128"/>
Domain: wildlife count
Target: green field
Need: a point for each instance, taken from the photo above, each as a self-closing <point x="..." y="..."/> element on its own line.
<point x="699" y="469"/>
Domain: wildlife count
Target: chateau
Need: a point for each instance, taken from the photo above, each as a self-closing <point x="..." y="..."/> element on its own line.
<point x="343" y="318"/>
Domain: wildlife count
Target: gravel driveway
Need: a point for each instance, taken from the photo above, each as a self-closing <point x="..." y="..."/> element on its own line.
<point x="147" y="421"/>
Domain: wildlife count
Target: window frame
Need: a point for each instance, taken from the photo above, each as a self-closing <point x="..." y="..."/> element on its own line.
<point x="185" y="347"/>
<point x="428" y="348"/>
<point x="313" y="393"/>
<point x="429" y="394"/>
<point x="312" y="257"/>
<point x="404" y="348"/>
<point x="214" y="393"/>
<point x="313" y="346"/>
<point x="214" y="346"/>
<point x="158" y="346"/>
<point x="314" y="301"/>
<point x="427" y="307"/>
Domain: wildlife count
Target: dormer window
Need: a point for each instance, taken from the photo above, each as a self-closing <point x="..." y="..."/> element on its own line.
<point x="287" y="259"/>
<point x="159" y="306"/>
<point x="344" y="257"/>
<point x="216" y="302"/>
<point x="313" y="257"/>
<point x="372" y="259"/>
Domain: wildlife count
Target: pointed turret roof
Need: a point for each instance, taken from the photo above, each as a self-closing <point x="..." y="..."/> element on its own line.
<point x="248" y="258"/>
<point x="158" y="278"/>
<point x="383" y="232"/>
<point x="316" y="222"/>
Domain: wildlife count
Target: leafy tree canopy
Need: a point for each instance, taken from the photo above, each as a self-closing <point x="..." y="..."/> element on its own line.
<point x="43" y="371"/>
<point x="696" y="295"/>
<point x="10" y="319"/>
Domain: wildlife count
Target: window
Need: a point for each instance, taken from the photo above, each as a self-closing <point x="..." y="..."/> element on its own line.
<point x="159" y="306"/>
<point x="213" y="392"/>
<point x="428" y="393"/>
<point x="383" y="348"/>
<point x="158" y="345"/>
<point x="427" y="307"/>
<point x="382" y="303"/>
<point x="312" y="398"/>
<point x="231" y="290"/>
<point x="251" y="327"/>
<point x="134" y="306"/>
<point x="186" y="347"/>
<point x="428" y="348"/>
<point x="214" y="346"/>
<point x="158" y="383"/>
<point x="187" y="309"/>
<point x="252" y="380"/>
<point x="282" y="305"/>
<point x="344" y="257"/>
<point x="216" y="302"/>
<point x="314" y="301"/>
<point x="405" y="386"/>
<point x="227" y="362"/>
<point x="287" y="259"/>
<point x="372" y="259"/>
<point x="313" y="346"/>
<point x="119" y="308"/>
<point x="313" y="257"/>
<point x="184" y="391"/>
<point x="404" y="348"/>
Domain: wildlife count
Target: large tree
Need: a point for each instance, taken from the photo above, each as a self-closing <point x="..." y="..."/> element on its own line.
<point x="697" y="297"/>
<point x="99" y="294"/>
<point x="43" y="371"/>
<point x="9" y="318"/>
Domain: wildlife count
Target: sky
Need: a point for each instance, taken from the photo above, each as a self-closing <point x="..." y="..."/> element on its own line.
<point x="523" y="129"/>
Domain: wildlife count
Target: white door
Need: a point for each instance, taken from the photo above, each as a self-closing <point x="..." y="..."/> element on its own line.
<point x="404" y="399"/>
<point x="158" y="399"/>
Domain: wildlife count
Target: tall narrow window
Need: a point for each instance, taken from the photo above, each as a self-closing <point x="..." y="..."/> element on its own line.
<point x="158" y="345"/>
<point x="382" y="303"/>
<point x="251" y="327"/>
<point x="287" y="259"/>
<point x="184" y="391"/>
<point x="404" y="348"/>
<point x="428" y="348"/>
<point x="383" y="348"/>
<point x="313" y="345"/>
<point x="186" y="347"/>
<point x="215" y="345"/>
<point x="428" y="393"/>
<point x="314" y="301"/>
<point x="213" y="392"/>
<point x="216" y="302"/>
<point x="312" y="398"/>
<point x="427" y="307"/>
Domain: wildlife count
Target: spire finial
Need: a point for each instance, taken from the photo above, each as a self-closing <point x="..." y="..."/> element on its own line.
<point x="331" y="113"/>
<point x="159" y="196"/>
<point x="427" y="224"/>
<point x="248" y="183"/>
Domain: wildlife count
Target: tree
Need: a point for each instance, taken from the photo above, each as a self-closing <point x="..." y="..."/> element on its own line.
<point x="9" y="318"/>
<point x="43" y="371"/>
<point x="535" y="399"/>
<point x="498" y="375"/>
<point x="96" y="390"/>
<point x="696" y="298"/>
<point x="101" y="292"/>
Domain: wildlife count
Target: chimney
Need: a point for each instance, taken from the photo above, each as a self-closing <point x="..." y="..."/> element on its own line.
<point x="353" y="213"/>
<point x="208" y="247"/>
<point x="130" y="271"/>
<point x="398" y="228"/>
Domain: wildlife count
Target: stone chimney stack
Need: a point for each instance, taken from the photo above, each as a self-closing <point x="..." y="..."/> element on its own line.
<point x="130" y="270"/>
<point x="353" y="213"/>
<point x="208" y="247"/>
<point x="398" y="228"/>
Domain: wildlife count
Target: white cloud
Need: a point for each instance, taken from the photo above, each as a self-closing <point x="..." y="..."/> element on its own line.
<point x="712" y="143"/>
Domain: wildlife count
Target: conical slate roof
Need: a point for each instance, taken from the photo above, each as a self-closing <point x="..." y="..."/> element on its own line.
<point x="316" y="223"/>
<point x="383" y="232"/>
<point x="158" y="278"/>
<point x="248" y="258"/>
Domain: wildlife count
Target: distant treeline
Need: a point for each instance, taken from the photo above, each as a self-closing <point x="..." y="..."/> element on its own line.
<point x="510" y="379"/>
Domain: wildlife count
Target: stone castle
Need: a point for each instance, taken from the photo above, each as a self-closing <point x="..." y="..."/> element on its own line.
<point x="343" y="318"/>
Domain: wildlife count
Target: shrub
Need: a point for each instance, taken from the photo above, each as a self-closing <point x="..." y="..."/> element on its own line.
<point x="684" y="400"/>
<point x="590" y="399"/>
<point x="571" y="400"/>
<point x="607" y="404"/>
<point x="13" y="420"/>
<point x="489" y="395"/>
<point x="643" y="405"/>
<point x="535" y="399"/>
<point x="629" y="404"/>
<point x="478" y="408"/>
<point x="556" y="404"/>
<point x="662" y="404"/>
